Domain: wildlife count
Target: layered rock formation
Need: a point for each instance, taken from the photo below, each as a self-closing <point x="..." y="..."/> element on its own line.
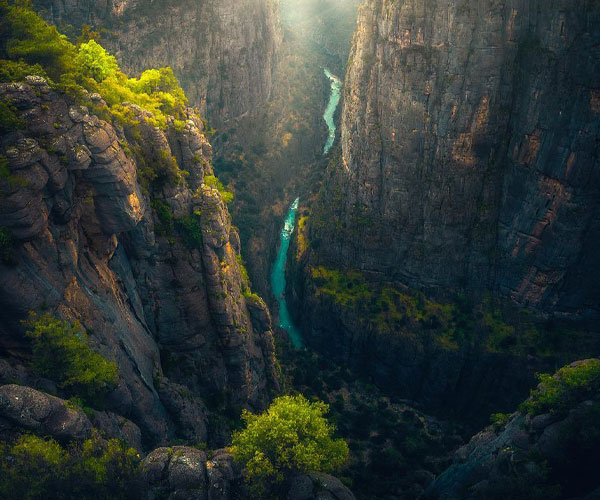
<point x="470" y="150"/>
<point x="162" y="295"/>
<point x="223" y="53"/>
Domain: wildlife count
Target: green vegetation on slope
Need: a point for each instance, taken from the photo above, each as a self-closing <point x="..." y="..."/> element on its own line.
<point x="29" y="46"/>
<point x="213" y="182"/>
<point x="61" y="352"/>
<point x="291" y="436"/>
<point x="33" y="468"/>
<point x="393" y="447"/>
<point x="561" y="392"/>
<point x="454" y="321"/>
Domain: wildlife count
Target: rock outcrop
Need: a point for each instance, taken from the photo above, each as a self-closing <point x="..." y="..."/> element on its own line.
<point x="470" y="151"/>
<point x="161" y="297"/>
<point x="549" y="455"/>
<point x="185" y="473"/>
<point x="223" y="53"/>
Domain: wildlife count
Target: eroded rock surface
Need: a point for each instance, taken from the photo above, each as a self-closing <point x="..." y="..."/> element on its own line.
<point x="167" y="305"/>
<point x="470" y="150"/>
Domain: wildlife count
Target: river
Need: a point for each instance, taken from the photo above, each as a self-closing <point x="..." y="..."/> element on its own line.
<point x="278" y="271"/>
<point x="278" y="277"/>
<point x="334" y="100"/>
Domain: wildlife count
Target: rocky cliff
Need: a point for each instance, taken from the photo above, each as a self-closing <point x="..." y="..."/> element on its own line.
<point x="223" y="53"/>
<point x="470" y="150"/>
<point x="159" y="290"/>
<point x="546" y="453"/>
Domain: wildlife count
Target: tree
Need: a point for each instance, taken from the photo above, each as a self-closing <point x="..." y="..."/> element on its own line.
<point x="292" y="436"/>
<point x="61" y="353"/>
<point x="93" y="61"/>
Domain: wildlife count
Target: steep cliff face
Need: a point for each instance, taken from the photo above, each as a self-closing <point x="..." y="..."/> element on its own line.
<point x="223" y="53"/>
<point x="470" y="150"/>
<point x="160" y="291"/>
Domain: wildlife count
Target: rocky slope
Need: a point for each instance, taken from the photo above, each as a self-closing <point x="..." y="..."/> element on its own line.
<point x="223" y="53"/>
<point x="162" y="295"/>
<point x="548" y="454"/>
<point x="470" y="150"/>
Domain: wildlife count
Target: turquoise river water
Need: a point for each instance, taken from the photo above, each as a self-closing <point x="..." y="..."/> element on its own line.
<point x="278" y="276"/>
<point x="328" y="116"/>
<point x="278" y="271"/>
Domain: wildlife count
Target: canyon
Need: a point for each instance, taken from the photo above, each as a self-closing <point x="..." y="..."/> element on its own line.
<point x="423" y="230"/>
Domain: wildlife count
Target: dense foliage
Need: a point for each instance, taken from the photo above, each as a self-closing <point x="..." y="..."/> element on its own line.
<point x="34" y="468"/>
<point x="292" y="436"/>
<point x="61" y="352"/>
<point x="561" y="392"/>
<point x="29" y="46"/>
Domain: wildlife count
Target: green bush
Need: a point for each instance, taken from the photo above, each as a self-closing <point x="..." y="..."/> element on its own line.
<point x="16" y="71"/>
<point x="34" y="468"/>
<point x="25" y="36"/>
<point x="61" y="353"/>
<point x="28" y="45"/>
<point x="291" y="436"/>
<point x="94" y="62"/>
<point x="562" y="391"/>
<point x="9" y="120"/>
<point x="190" y="230"/>
<point x="213" y="182"/>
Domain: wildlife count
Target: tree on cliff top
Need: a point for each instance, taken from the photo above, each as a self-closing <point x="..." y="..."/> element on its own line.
<point x="292" y="436"/>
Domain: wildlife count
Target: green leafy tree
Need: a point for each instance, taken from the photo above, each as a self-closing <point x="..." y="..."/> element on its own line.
<point x="61" y="353"/>
<point x="292" y="436"/>
<point x="35" y="468"/>
<point x="31" y="467"/>
<point x="95" y="62"/>
<point x="26" y="36"/>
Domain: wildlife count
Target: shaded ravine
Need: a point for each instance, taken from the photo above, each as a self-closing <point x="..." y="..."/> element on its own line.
<point x="328" y="116"/>
<point x="278" y="282"/>
<point x="278" y="277"/>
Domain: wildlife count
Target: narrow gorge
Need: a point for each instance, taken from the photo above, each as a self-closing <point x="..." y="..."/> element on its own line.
<point x="299" y="249"/>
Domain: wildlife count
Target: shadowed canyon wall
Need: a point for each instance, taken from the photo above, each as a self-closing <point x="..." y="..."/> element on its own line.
<point x="470" y="155"/>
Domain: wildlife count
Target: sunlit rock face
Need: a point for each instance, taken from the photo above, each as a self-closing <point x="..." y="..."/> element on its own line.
<point x="224" y="53"/>
<point x="470" y="150"/>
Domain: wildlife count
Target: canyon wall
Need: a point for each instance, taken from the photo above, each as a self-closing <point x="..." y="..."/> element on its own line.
<point x="470" y="151"/>
<point x="159" y="290"/>
<point x="223" y="53"/>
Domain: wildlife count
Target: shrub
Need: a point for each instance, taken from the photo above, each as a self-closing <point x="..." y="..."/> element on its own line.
<point x="291" y="436"/>
<point x="213" y="182"/>
<point x="15" y="71"/>
<point x="9" y="120"/>
<point x="61" y="353"/>
<point x="94" y="62"/>
<point x="34" y="468"/>
<point x="26" y="36"/>
<point x="561" y="392"/>
<point x="31" y="468"/>
<point x="190" y="230"/>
